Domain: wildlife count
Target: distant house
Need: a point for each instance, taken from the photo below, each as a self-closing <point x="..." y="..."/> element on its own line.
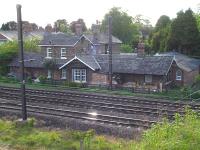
<point x="185" y="68"/>
<point x="12" y="35"/>
<point x="83" y="58"/>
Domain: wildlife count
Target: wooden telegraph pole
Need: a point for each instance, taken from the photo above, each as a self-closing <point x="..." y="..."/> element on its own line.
<point x="110" y="51"/>
<point x="21" y="52"/>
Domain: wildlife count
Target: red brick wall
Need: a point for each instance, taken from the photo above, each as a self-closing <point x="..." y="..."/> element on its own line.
<point x="82" y="47"/>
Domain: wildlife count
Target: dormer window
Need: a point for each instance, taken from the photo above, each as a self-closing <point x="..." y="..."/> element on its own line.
<point x="179" y="75"/>
<point x="63" y="53"/>
<point x="49" y="53"/>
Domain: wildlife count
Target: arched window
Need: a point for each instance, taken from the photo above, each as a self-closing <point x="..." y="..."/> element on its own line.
<point x="179" y="75"/>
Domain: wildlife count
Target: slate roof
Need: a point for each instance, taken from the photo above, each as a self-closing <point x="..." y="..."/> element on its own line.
<point x="88" y="60"/>
<point x="60" y="38"/>
<point x="102" y="38"/>
<point x="153" y="65"/>
<point x="37" y="60"/>
<point x="13" y="35"/>
<point x="184" y="62"/>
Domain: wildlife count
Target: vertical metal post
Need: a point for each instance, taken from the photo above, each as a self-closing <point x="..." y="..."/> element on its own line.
<point x="110" y="51"/>
<point x="21" y="54"/>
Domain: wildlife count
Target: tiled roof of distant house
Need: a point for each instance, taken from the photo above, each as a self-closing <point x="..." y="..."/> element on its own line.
<point x="135" y="64"/>
<point x="184" y="62"/>
<point x="37" y="60"/>
<point x="101" y="38"/>
<point x="59" y="38"/>
<point x="13" y="35"/>
<point x="88" y="60"/>
<point x="153" y="65"/>
<point x="63" y="39"/>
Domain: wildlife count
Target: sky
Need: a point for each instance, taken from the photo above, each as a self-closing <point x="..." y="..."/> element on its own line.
<point x="43" y="12"/>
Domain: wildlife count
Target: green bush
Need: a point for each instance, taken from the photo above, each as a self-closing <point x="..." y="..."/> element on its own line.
<point x="182" y="134"/>
<point x="9" y="50"/>
<point x="74" y="84"/>
<point x="42" y="79"/>
<point x="125" y="48"/>
<point x="29" y="80"/>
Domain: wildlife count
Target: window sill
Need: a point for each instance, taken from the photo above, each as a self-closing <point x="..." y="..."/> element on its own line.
<point x="178" y="80"/>
<point x="80" y="81"/>
<point x="63" y="57"/>
<point x="48" y="57"/>
<point x="63" y="78"/>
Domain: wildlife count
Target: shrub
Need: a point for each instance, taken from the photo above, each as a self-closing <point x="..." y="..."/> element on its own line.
<point x="125" y="48"/>
<point x="42" y="79"/>
<point x="182" y="134"/>
<point x="74" y="84"/>
<point x="29" y="80"/>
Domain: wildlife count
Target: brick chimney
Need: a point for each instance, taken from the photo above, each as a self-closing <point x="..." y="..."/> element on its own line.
<point x="95" y="31"/>
<point x="78" y="29"/>
<point x="141" y="49"/>
<point x="96" y="28"/>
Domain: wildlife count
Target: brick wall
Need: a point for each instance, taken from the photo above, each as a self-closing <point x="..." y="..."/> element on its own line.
<point x="98" y="78"/>
<point x="82" y="47"/>
<point x="32" y="72"/>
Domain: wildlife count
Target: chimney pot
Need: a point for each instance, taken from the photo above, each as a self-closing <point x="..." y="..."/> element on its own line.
<point x="141" y="49"/>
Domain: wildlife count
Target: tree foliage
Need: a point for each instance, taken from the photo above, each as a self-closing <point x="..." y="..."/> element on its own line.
<point x="184" y="34"/>
<point x="9" y="50"/>
<point x="11" y="25"/>
<point x="122" y="26"/>
<point x="181" y="134"/>
<point x="125" y="48"/>
<point x="62" y="26"/>
<point x="160" y="34"/>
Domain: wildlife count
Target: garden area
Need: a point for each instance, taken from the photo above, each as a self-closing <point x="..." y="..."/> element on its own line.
<point x="181" y="134"/>
<point x="177" y="93"/>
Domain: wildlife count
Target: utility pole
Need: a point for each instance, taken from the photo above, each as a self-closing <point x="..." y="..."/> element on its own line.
<point x="21" y="54"/>
<point x="110" y="51"/>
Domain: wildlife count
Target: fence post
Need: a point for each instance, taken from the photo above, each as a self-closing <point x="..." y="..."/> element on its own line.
<point x="133" y="90"/>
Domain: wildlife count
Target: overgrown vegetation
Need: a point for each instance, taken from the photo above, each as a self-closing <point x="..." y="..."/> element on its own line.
<point x="125" y="48"/>
<point x="9" y="50"/>
<point x="27" y="137"/>
<point x="181" y="134"/>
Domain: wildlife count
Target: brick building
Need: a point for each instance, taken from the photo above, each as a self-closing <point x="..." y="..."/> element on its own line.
<point x="83" y="58"/>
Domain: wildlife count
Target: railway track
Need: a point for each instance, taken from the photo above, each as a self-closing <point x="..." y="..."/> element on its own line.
<point x="125" y="105"/>
<point x="100" y="118"/>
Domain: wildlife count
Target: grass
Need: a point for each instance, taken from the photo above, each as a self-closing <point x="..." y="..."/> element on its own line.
<point x="27" y="137"/>
<point x="181" y="134"/>
<point x="173" y="94"/>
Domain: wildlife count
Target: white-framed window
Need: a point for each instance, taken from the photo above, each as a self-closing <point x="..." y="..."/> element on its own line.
<point x="64" y="74"/>
<point x="49" y="53"/>
<point x="179" y="75"/>
<point x="49" y="74"/>
<point x="148" y="78"/>
<point x="79" y="75"/>
<point x="63" y="53"/>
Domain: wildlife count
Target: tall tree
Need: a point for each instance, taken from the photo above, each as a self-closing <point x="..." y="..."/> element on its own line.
<point x="80" y="21"/>
<point x="122" y="26"/>
<point x="160" y="34"/>
<point x="61" y="25"/>
<point x="11" y="25"/>
<point x="184" y="35"/>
